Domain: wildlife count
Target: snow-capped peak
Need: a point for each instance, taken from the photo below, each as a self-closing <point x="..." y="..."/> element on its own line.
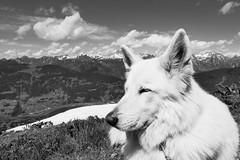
<point x="209" y="54"/>
<point x="67" y="57"/>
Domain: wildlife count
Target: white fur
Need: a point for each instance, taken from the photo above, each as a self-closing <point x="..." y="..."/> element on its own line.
<point x="194" y="124"/>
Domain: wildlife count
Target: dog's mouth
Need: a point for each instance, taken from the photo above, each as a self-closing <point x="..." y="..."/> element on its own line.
<point x="133" y="125"/>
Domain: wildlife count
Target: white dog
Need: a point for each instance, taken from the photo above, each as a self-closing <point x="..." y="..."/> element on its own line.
<point x="164" y="114"/>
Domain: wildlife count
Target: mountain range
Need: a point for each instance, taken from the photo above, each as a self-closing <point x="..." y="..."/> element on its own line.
<point x="204" y="61"/>
<point x="210" y="60"/>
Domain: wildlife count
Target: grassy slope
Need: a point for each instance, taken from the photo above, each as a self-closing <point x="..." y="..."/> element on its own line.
<point x="79" y="139"/>
<point x="76" y="140"/>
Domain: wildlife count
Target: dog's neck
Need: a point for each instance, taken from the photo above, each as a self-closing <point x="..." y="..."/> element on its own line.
<point x="137" y="142"/>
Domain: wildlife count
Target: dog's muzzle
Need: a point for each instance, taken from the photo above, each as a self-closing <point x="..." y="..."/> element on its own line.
<point x="112" y="119"/>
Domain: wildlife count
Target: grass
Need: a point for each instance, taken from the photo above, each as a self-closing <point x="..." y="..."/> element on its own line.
<point x="76" y="140"/>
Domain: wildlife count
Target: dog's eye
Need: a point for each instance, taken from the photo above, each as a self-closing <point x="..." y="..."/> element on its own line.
<point x="143" y="90"/>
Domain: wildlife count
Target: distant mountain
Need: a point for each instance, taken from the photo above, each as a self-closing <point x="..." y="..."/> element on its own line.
<point x="37" y="88"/>
<point x="51" y="81"/>
<point x="112" y="65"/>
<point x="210" y="60"/>
<point x="84" y="64"/>
<point x="33" y="87"/>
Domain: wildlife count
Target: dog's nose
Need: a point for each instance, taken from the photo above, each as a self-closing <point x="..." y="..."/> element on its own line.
<point x="111" y="119"/>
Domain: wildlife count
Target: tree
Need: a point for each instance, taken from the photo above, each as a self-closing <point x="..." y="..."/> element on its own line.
<point x="17" y="109"/>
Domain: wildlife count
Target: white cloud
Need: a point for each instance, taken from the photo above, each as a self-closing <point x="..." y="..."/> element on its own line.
<point x="137" y="39"/>
<point x="12" y="53"/>
<point x="75" y="51"/>
<point x="130" y="38"/>
<point x="103" y="51"/>
<point x="232" y="54"/>
<point x="12" y="43"/>
<point x="7" y="9"/>
<point x="69" y="9"/>
<point x="3" y="41"/>
<point x="84" y="43"/>
<point x="38" y="54"/>
<point x="54" y="49"/>
<point x="25" y="53"/>
<point x="22" y="30"/>
<point x="8" y="27"/>
<point x="20" y="44"/>
<point x="55" y="52"/>
<point x="201" y="45"/>
<point x="57" y="49"/>
<point x="55" y="45"/>
<point x="228" y="7"/>
<point x="29" y="19"/>
<point x="45" y="11"/>
<point x="72" y="27"/>
<point x="101" y="37"/>
<point x="157" y="41"/>
<point x="238" y="33"/>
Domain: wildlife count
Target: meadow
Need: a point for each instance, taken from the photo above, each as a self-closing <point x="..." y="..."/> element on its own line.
<point x="75" y="140"/>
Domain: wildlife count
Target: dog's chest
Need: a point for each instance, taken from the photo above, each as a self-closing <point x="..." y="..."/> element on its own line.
<point x="143" y="155"/>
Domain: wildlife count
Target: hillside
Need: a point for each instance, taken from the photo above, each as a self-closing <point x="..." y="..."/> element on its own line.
<point x="212" y="79"/>
<point x="32" y="88"/>
<point x="27" y="90"/>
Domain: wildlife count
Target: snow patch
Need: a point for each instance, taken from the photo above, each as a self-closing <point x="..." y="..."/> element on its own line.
<point x="78" y="113"/>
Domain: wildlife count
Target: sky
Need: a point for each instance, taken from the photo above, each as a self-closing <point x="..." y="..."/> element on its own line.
<point x="73" y="27"/>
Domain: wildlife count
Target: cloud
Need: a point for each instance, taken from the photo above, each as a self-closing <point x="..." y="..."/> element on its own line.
<point x="3" y="41"/>
<point x="84" y="43"/>
<point x="45" y="11"/>
<point x="12" y="53"/>
<point x="201" y="45"/>
<point x="137" y="39"/>
<point x="38" y="54"/>
<point x="57" y="49"/>
<point x="232" y="54"/>
<point x="107" y="50"/>
<point x="72" y="27"/>
<point x="69" y="9"/>
<point x="12" y="43"/>
<point x="4" y="8"/>
<point x="130" y="38"/>
<point x="157" y="41"/>
<point x="101" y="37"/>
<point x="28" y="19"/>
<point x="55" y="45"/>
<point x="54" y="49"/>
<point x="239" y="34"/>
<point x="228" y="7"/>
<point x="73" y="52"/>
<point x="8" y="27"/>
<point x="22" y="30"/>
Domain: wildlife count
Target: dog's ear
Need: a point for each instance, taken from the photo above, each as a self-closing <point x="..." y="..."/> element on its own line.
<point x="129" y="58"/>
<point x="178" y="54"/>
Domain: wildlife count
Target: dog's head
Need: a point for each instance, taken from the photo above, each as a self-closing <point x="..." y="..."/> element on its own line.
<point x="152" y="82"/>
